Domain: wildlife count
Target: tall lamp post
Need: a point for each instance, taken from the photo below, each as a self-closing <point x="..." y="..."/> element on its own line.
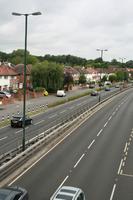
<point x="25" y="62"/>
<point x="122" y="60"/>
<point x="101" y="56"/>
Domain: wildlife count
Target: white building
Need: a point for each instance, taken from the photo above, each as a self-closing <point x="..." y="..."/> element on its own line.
<point x="8" y="78"/>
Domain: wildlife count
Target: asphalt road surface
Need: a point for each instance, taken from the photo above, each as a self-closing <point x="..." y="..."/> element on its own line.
<point x="11" y="138"/>
<point x="96" y="157"/>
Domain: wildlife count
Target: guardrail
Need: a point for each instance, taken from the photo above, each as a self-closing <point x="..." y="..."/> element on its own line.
<point x="15" y="158"/>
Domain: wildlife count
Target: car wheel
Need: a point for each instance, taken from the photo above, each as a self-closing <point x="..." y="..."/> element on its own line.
<point x="31" y="122"/>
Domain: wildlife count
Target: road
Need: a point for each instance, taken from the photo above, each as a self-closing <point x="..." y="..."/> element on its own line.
<point x="96" y="157"/>
<point x="11" y="138"/>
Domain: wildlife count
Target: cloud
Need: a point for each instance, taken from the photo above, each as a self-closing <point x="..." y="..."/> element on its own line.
<point x="76" y="27"/>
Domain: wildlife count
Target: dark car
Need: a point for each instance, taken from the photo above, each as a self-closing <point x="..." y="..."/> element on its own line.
<point x="94" y="93"/>
<point x="17" y="121"/>
<point x="13" y="193"/>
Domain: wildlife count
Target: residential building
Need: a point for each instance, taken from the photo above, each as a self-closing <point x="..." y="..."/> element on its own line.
<point x="8" y="77"/>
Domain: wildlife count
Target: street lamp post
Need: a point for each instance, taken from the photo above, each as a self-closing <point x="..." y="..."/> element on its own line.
<point x="101" y="55"/>
<point x="25" y="62"/>
<point x="122" y="60"/>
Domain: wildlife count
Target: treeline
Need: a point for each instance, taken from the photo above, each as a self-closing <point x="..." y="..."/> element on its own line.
<point x="17" y="57"/>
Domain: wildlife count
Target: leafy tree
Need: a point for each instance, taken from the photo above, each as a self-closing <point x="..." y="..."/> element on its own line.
<point x="82" y="79"/>
<point x="120" y="76"/>
<point x="68" y="80"/>
<point x="48" y="75"/>
<point x="104" y="78"/>
<point x="112" y="78"/>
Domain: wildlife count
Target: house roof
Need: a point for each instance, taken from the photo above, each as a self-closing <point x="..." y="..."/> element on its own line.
<point x="20" y="69"/>
<point x="7" y="71"/>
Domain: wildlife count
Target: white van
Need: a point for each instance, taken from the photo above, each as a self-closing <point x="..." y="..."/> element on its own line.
<point x="67" y="192"/>
<point x="61" y="93"/>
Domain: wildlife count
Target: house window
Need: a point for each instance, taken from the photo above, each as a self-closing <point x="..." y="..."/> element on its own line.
<point x="5" y="77"/>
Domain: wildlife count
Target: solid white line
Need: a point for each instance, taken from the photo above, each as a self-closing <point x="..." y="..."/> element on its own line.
<point x="91" y="144"/>
<point x="113" y="191"/>
<point x="99" y="132"/>
<point x="120" y="167"/>
<point x="79" y="160"/>
<point x="3" y="138"/>
<point x="39" y="122"/>
<point x="53" y="116"/>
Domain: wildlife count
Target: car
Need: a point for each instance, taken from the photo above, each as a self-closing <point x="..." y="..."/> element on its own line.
<point x="94" y="93"/>
<point x="117" y="86"/>
<point x="17" y="121"/>
<point x="68" y="193"/>
<point x="5" y="94"/>
<point x="13" y="193"/>
<point x="61" y="93"/>
<point x="107" y="88"/>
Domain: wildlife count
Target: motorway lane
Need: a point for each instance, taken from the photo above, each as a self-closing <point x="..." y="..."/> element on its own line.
<point x="10" y="138"/>
<point x="89" y="158"/>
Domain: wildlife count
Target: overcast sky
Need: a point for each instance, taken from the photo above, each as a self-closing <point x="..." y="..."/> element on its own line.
<point x="76" y="27"/>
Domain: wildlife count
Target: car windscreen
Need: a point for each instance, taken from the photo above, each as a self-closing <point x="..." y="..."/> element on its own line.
<point x="63" y="196"/>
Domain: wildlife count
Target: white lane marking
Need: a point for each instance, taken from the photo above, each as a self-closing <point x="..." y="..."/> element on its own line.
<point x="79" y="160"/>
<point x="113" y="113"/>
<point x="109" y="118"/>
<point x="125" y="158"/>
<point x="63" y="182"/>
<point x="113" y="191"/>
<point x="71" y="107"/>
<point x="39" y="122"/>
<point x="18" y="131"/>
<point x="99" y="132"/>
<point x="91" y="144"/>
<point x="125" y="147"/>
<point x="105" y="124"/>
<point x="53" y="116"/>
<point x="79" y="104"/>
<point x="3" y="138"/>
<point x="120" y="167"/>
<point x="63" y="111"/>
<point x="39" y="159"/>
<point x="128" y="175"/>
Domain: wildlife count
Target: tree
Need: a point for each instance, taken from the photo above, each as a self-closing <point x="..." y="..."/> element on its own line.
<point x="82" y="79"/>
<point x="104" y="78"/>
<point x="68" y="80"/>
<point x="120" y="76"/>
<point x="48" y="75"/>
<point x="112" y="78"/>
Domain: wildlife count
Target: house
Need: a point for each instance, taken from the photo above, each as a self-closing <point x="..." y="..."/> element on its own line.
<point x="8" y="77"/>
<point x="19" y="69"/>
<point x="91" y="75"/>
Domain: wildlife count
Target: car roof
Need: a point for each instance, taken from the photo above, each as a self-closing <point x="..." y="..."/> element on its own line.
<point x="66" y="193"/>
<point x="10" y="192"/>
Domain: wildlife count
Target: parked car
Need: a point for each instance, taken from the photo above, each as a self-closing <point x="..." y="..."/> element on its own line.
<point x="67" y="192"/>
<point x="5" y="94"/>
<point x="94" y="93"/>
<point x="13" y="193"/>
<point x="17" y="121"/>
<point x="61" y="93"/>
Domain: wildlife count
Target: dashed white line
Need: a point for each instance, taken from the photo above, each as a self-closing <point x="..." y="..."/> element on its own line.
<point x="105" y="124"/>
<point x="63" y="182"/>
<point x="99" y="132"/>
<point x="39" y="122"/>
<point x="53" y="116"/>
<point x="18" y="131"/>
<point x="109" y="118"/>
<point x="79" y="160"/>
<point x="113" y="191"/>
<point x="91" y="144"/>
<point x="3" y="138"/>
<point x="62" y="111"/>
<point x="125" y="147"/>
<point x="120" y="167"/>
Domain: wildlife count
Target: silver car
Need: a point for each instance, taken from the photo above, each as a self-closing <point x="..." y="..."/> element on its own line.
<point x="68" y="193"/>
